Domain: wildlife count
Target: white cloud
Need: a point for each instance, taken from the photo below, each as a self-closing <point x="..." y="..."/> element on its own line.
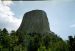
<point x="7" y="17"/>
<point x="7" y="3"/>
<point x="72" y="26"/>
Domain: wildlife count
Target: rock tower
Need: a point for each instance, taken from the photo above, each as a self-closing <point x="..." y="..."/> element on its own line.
<point x="35" y="21"/>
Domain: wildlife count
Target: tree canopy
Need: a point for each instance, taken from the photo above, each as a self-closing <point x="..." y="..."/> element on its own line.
<point x="18" y="41"/>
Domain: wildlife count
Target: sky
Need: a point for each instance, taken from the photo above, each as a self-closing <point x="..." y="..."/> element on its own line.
<point x="60" y="13"/>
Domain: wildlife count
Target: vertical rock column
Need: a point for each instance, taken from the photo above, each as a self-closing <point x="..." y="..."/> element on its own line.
<point x="35" y="21"/>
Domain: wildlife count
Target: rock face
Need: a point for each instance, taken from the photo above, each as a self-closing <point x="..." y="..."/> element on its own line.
<point x="35" y="21"/>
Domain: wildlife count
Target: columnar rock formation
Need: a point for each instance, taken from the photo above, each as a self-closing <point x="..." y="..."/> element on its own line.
<point x="35" y="21"/>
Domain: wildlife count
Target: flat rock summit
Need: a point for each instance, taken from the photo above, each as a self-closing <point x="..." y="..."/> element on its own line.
<point x="35" y="21"/>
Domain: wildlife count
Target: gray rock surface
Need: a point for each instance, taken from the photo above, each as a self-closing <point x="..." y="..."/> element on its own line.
<point x="35" y="21"/>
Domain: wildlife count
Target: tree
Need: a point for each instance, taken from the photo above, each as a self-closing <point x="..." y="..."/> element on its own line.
<point x="47" y="41"/>
<point x="71" y="43"/>
<point x="5" y="31"/>
<point x="34" y="42"/>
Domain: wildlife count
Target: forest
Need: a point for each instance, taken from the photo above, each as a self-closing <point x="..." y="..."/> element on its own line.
<point x="18" y="41"/>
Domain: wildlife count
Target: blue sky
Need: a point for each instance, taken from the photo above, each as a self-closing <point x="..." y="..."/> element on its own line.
<point x="61" y="15"/>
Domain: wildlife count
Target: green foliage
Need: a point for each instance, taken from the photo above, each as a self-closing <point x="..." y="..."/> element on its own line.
<point x="42" y="48"/>
<point x="18" y="41"/>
